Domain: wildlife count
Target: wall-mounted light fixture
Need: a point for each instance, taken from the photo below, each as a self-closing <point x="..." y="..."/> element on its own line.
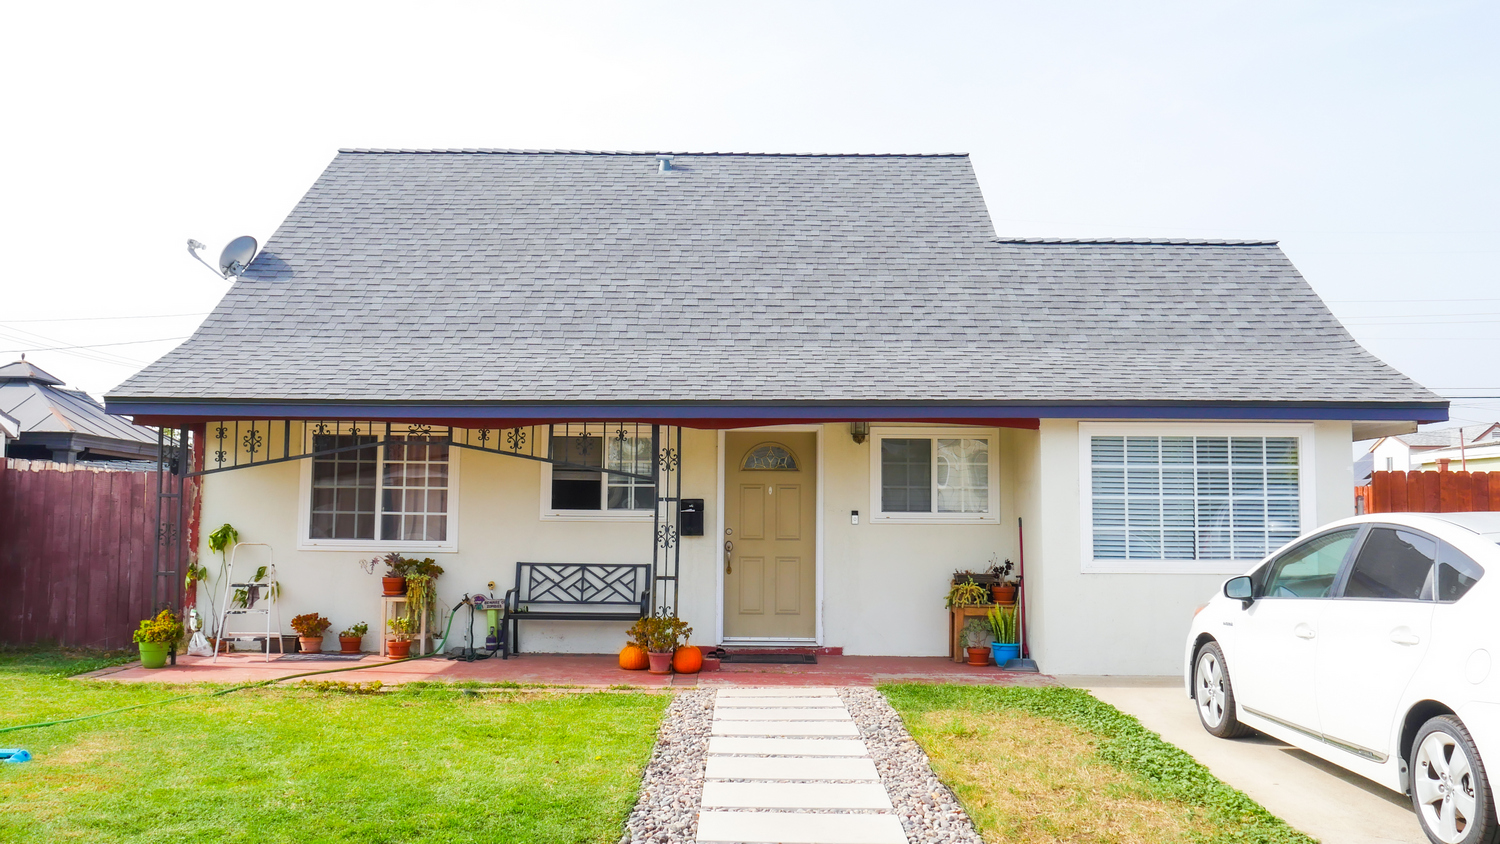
<point x="859" y="431"/>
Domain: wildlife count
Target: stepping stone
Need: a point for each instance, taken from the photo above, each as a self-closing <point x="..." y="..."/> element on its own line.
<point x="794" y="795"/>
<point x="790" y="768"/>
<point x="723" y="745"/>
<point x="819" y="714"/>
<point x="785" y="728"/>
<point x="782" y="691"/>
<point x="760" y="702"/>
<point x="798" y="828"/>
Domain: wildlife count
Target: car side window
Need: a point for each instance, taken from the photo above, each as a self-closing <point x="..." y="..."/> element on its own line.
<point x="1456" y="573"/>
<point x="1394" y="564"/>
<point x="1308" y="570"/>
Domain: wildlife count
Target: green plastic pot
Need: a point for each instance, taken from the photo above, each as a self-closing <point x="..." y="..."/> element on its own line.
<point x="154" y="654"/>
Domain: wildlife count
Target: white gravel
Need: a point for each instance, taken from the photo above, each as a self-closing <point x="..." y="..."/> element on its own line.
<point x="666" y="810"/>
<point x="929" y="812"/>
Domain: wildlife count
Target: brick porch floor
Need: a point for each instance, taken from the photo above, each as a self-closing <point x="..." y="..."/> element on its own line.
<point x="580" y="670"/>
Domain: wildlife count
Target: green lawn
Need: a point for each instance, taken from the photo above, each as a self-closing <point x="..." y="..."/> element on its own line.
<point x="1054" y="764"/>
<point x="302" y="764"/>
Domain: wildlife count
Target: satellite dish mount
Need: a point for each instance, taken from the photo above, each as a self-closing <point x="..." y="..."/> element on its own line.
<point x="235" y="258"/>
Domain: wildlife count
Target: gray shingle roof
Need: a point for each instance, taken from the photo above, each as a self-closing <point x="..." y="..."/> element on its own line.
<point x="535" y="276"/>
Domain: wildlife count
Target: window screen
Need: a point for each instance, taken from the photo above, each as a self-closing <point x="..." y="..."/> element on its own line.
<point x="1193" y="498"/>
<point x="906" y="475"/>
<point x="1393" y="564"/>
<point x="344" y="486"/>
<point x="1309" y="569"/>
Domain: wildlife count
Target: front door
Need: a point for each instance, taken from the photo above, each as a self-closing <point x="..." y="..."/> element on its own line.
<point x="770" y="526"/>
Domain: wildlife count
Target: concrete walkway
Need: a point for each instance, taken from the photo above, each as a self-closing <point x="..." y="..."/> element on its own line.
<point x="1314" y="796"/>
<point x="788" y="765"/>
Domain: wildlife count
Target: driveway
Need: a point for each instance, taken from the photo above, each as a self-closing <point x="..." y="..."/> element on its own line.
<point x="1320" y="799"/>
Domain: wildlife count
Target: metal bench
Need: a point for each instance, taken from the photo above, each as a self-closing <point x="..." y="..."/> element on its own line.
<point x="575" y="592"/>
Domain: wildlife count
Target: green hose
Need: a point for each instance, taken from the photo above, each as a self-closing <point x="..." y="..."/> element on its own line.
<point x="241" y="687"/>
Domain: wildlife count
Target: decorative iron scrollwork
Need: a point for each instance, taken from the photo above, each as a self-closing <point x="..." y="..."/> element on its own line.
<point x="516" y="439"/>
<point x="668" y="460"/>
<point x="253" y="441"/>
<point x="484" y="436"/>
<point x="418" y="430"/>
<point x="220" y="457"/>
<point x="321" y="429"/>
<point x="166" y="533"/>
<point x="221" y="433"/>
<point x="353" y="430"/>
<point x="666" y="536"/>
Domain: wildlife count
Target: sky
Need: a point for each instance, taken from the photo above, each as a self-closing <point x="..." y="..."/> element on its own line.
<point x="1363" y="135"/>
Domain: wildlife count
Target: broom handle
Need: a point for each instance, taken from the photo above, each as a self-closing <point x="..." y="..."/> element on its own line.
<point x="1021" y="585"/>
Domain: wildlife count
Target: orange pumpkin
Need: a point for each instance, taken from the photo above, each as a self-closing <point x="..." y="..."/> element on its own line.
<point x="687" y="660"/>
<point x="633" y="658"/>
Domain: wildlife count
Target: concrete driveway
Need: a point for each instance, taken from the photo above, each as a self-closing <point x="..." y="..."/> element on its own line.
<point x="1320" y="799"/>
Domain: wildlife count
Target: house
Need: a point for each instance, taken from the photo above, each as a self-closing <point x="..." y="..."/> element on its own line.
<point x="10" y="430"/>
<point x="65" y="426"/>
<point x="1414" y="451"/>
<point x="498" y="356"/>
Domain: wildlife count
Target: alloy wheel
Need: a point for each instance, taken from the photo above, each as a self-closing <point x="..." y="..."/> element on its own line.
<point x="1443" y="781"/>
<point x="1209" y="689"/>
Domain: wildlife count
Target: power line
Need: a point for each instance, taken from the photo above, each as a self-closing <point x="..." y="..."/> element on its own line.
<point x="98" y="345"/>
<point x="93" y="318"/>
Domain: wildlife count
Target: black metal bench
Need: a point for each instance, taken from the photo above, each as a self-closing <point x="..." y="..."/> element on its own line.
<point x="575" y="592"/>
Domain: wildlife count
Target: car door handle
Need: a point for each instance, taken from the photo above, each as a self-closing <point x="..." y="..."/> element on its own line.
<point x="1404" y="636"/>
<point x="1303" y="631"/>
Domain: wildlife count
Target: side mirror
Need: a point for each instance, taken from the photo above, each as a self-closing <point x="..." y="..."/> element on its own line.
<point x="1241" y="589"/>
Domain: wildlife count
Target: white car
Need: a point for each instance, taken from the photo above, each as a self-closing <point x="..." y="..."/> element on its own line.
<point x="1370" y="642"/>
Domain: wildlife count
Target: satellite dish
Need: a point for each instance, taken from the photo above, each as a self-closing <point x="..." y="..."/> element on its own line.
<point x="237" y="256"/>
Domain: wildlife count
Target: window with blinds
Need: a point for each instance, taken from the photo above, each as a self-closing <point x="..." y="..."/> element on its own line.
<point x="1193" y="498"/>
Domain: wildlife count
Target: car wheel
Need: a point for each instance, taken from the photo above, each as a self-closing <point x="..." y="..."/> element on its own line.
<point x="1214" y="694"/>
<point x="1449" y="789"/>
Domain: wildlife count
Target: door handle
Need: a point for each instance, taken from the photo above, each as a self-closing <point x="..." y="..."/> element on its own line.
<point x="1303" y="631"/>
<point x="1404" y="636"/>
<point x="728" y="557"/>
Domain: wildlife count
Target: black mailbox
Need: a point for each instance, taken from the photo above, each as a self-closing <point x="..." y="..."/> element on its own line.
<point x="690" y="517"/>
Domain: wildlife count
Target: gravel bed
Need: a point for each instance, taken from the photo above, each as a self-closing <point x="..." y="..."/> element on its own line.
<point x="929" y="812"/>
<point x="666" y="811"/>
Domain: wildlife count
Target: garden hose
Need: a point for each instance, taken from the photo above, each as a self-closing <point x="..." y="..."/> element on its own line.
<point x="241" y="687"/>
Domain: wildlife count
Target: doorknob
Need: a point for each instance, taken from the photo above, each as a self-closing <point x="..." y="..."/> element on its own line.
<point x="728" y="557"/>
<point x="1404" y="636"/>
<point x="1303" y="631"/>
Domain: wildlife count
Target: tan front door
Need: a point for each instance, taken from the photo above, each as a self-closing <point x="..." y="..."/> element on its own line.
<point x="770" y="513"/>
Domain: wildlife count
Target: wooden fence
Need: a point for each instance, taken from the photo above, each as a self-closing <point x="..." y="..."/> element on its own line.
<point x="1429" y="492"/>
<point x="75" y="553"/>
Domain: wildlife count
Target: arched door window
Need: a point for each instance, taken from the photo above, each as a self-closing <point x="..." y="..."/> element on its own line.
<point x="770" y="457"/>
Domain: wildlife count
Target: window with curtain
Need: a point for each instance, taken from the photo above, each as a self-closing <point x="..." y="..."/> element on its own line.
<point x="939" y="476"/>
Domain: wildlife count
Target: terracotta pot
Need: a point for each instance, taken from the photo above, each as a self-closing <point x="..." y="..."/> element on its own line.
<point x="397" y="649"/>
<point x="687" y="660"/>
<point x="979" y="656"/>
<point x="350" y="644"/>
<point x="660" y="663"/>
<point x="633" y="658"/>
<point x="393" y="586"/>
<point x="1004" y="594"/>
<point x="311" y="644"/>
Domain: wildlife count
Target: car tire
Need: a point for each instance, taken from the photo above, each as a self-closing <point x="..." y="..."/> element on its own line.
<point x="1213" y="693"/>
<point x="1449" y="789"/>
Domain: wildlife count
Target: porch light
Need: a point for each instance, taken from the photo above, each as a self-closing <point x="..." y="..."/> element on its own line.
<point x="859" y="431"/>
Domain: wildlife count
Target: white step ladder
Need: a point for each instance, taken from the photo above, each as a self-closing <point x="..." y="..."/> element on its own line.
<point x="263" y="605"/>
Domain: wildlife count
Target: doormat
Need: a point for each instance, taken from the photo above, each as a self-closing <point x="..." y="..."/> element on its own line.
<point x="772" y="659"/>
<point x="319" y="658"/>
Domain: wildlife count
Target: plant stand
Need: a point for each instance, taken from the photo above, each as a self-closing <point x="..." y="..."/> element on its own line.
<point x="390" y="610"/>
<point x="957" y="616"/>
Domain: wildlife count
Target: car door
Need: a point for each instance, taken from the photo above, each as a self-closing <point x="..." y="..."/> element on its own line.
<point x="1372" y="638"/>
<point x="1275" y="637"/>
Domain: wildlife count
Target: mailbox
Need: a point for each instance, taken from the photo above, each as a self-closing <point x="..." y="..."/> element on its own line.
<point x="690" y="517"/>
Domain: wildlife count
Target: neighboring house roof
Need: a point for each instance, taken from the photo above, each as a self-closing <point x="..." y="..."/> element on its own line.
<point x="1448" y="437"/>
<point x="1364" y="465"/>
<point x="48" y="413"/>
<point x="10" y="426"/>
<point x="508" y="281"/>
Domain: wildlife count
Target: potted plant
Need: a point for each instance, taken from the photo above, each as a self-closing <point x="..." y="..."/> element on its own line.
<point x="977" y="640"/>
<point x="660" y="635"/>
<point x="421" y="591"/>
<point x="393" y="582"/>
<point x="1003" y="589"/>
<point x="310" y="628"/>
<point x="1004" y="627"/>
<point x="245" y="597"/>
<point x="399" y="645"/>
<point x="967" y="593"/>
<point x="351" y="639"/>
<point x="156" y="636"/>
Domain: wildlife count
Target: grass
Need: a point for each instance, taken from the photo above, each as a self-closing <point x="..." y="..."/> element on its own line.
<point x="338" y="761"/>
<point x="1054" y="764"/>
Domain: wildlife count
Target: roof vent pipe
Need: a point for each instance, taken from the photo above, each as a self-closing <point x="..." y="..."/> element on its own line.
<point x="664" y="163"/>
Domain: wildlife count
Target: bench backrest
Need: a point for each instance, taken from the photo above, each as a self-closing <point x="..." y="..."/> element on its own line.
<point x="582" y="584"/>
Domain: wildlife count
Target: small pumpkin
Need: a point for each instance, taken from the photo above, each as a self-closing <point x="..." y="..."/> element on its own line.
<point x="633" y="658"/>
<point x="687" y="660"/>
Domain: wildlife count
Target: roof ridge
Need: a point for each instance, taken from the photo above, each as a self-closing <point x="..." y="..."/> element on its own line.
<point x="503" y="151"/>
<point x="1144" y="241"/>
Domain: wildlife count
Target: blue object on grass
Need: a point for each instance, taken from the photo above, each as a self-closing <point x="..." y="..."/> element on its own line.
<point x="14" y="754"/>
<point x="1004" y="653"/>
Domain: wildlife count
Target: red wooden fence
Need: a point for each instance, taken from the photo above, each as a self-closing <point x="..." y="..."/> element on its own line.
<point x="1433" y="492"/>
<point x="75" y="553"/>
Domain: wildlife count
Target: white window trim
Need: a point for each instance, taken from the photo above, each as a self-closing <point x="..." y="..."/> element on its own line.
<point x="549" y="514"/>
<point x="304" y="510"/>
<point x="878" y="516"/>
<point x="1306" y="488"/>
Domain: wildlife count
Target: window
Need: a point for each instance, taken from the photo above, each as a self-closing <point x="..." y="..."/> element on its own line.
<point x="923" y="475"/>
<point x="582" y="489"/>
<point x="1308" y="570"/>
<point x="1456" y="573"/>
<point x="1394" y="564"/>
<point x="770" y="457"/>
<point x="361" y="492"/>
<point x="1169" y="498"/>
